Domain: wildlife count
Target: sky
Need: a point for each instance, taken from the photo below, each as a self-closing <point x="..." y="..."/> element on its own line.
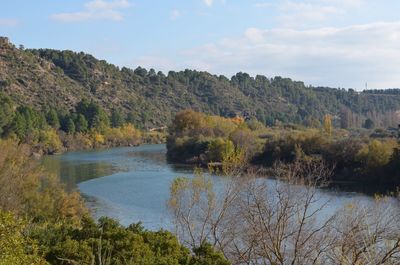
<point x="336" y="43"/>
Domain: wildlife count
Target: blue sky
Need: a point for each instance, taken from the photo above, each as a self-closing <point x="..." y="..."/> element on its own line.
<point x="338" y="43"/>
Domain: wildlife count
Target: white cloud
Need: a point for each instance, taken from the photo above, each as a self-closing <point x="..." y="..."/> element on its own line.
<point x="175" y="14"/>
<point x="301" y="13"/>
<point x="96" y="10"/>
<point x="346" y="57"/>
<point x="208" y="2"/>
<point x="101" y="4"/>
<point x="264" y="5"/>
<point x="308" y="12"/>
<point x="6" y="22"/>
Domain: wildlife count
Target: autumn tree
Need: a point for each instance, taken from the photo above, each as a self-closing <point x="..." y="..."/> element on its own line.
<point x="328" y="124"/>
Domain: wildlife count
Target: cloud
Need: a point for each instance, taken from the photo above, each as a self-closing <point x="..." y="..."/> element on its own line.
<point x="308" y="12"/>
<point x="95" y="10"/>
<point x="264" y="5"/>
<point x="175" y="14"/>
<point x="6" y="22"/>
<point x="208" y="2"/>
<point x="335" y="56"/>
<point x="302" y="13"/>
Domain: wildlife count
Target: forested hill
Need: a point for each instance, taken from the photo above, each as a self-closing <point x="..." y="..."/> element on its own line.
<point x="50" y="78"/>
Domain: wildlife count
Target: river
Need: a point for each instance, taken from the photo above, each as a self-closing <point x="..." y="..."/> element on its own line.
<point x="131" y="184"/>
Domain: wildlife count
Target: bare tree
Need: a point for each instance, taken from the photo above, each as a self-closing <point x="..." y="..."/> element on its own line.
<point x="367" y="234"/>
<point x="254" y="220"/>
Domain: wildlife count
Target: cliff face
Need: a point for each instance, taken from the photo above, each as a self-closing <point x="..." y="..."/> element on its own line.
<point x="50" y="78"/>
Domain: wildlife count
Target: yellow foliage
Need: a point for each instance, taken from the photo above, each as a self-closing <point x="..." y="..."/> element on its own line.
<point x="328" y="124"/>
<point x="50" y="141"/>
<point x="376" y="153"/>
<point x="15" y="247"/>
<point x="124" y="135"/>
<point x="97" y="138"/>
<point x="26" y="190"/>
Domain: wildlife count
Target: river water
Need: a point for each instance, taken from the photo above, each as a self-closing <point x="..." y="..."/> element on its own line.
<point x="131" y="184"/>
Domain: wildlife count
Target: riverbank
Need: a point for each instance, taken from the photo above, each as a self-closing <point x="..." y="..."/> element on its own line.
<point x="132" y="184"/>
<point x="126" y="136"/>
<point x="359" y="156"/>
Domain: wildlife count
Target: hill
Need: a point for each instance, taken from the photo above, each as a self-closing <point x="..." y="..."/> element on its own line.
<point x="44" y="78"/>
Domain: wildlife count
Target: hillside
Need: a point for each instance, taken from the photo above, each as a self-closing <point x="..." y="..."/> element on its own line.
<point x="46" y="78"/>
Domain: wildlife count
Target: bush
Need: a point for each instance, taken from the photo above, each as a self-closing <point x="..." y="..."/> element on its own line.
<point x="50" y="141"/>
<point x="218" y="149"/>
<point x="376" y="154"/>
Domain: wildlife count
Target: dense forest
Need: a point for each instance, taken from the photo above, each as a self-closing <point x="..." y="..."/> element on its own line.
<point x="51" y="130"/>
<point x="47" y="78"/>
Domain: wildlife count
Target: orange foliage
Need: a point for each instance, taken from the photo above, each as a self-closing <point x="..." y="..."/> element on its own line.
<point x="238" y="120"/>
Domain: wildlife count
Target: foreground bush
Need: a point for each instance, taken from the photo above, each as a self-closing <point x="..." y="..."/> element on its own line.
<point x="40" y="223"/>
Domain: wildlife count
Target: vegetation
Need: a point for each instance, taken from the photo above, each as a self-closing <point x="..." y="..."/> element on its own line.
<point x="253" y="221"/>
<point x="51" y="101"/>
<point x="61" y="79"/>
<point x="200" y="139"/>
<point x="362" y="156"/>
<point x="53" y="131"/>
<point x="42" y="224"/>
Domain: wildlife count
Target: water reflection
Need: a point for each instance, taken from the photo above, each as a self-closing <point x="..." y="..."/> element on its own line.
<point x="72" y="172"/>
<point x="132" y="184"/>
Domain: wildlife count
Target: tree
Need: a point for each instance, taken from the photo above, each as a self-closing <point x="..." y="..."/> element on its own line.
<point x="6" y="112"/>
<point x="376" y="153"/>
<point x="81" y="124"/>
<point x="254" y="221"/>
<point x="205" y="254"/>
<point x="369" y="124"/>
<point x="15" y="246"/>
<point x="26" y="121"/>
<point x="219" y="148"/>
<point x="94" y="114"/>
<point x="50" y="141"/>
<point x="117" y="119"/>
<point x="18" y="126"/>
<point x="345" y="118"/>
<point x="131" y="118"/>
<point x="69" y="126"/>
<point x="27" y="191"/>
<point x="328" y="124"/>
<point x="52" y="119"/>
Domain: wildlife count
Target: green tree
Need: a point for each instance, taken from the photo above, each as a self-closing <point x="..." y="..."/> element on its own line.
<point x="18" y="125"/>
<point x="205" y="254"/>
<point x="26" y="121"/>
<point x="117" y="118"/>
<point x="6" y="112"/>
<point x="15" y="247"/>
<point x="68" y="125"/>
<point x="81" y="124"/>
<point x="94" y="114"/>
<point x="369" y="124"/>
<point x="52" y="119"/>
<point x="218" y="149"/>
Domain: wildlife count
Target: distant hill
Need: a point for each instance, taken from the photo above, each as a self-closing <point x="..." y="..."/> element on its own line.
<point x="46" y="78"/>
